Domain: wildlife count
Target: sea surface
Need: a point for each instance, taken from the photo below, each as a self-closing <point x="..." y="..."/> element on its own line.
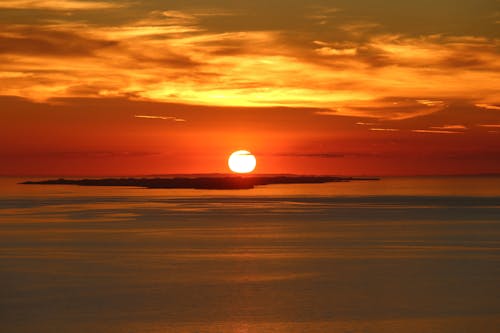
<point x="397" y="255"/>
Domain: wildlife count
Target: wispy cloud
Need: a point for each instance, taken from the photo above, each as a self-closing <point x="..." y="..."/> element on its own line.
<point x="379" y="129"/>
<point x="386" y="108"/>
<point x="59" y="5"/>
<point x="488" y="106"/>
<point x="490" y="125"/>
<point x="359" y="28"/>
<point x="160" y="117"/>
<point x="322" y="15"/>
<point x="430" y="103"/>
<point x="435" y="131"/>
<point x="449" y="127"/>
<point x="329" y="51"/>
<point x="326" y="154"/>
<point x="83" y="154"/>
<point x="179" y="15"/>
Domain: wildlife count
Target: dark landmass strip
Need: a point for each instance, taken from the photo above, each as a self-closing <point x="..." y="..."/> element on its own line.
<point x="202" y="183"/>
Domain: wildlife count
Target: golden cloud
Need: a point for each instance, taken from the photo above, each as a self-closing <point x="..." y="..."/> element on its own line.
<point x="169" y="56"/>
<point x="488" y="106"/>
<point x="329" y="51"/>
<point x="449" y="127"/>
<point x="394" y="108"/>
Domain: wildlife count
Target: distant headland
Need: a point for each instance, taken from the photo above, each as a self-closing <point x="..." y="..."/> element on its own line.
<point x="201" y="182"/>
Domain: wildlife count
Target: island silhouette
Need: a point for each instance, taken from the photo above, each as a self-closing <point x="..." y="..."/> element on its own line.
<point x="220" y="182"/>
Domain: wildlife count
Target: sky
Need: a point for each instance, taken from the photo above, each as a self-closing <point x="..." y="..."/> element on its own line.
<point x="342" y="87"/>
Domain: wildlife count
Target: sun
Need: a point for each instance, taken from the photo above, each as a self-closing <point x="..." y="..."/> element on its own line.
<point x="242" y="161"/>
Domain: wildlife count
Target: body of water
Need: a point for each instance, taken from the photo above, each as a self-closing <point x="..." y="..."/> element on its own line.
<point x="398" y="255"/>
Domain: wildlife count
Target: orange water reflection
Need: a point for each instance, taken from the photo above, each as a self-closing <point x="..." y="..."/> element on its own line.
<point x="307" y="259"/>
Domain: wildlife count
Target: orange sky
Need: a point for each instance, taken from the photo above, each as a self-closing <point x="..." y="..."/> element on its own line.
<point x="122" y="88"/>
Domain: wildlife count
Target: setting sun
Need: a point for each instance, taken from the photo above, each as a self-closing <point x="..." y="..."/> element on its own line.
<point x="242" y="161"/>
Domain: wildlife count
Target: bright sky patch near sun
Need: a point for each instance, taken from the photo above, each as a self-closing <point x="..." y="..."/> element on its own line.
<point x="407" y="69"/>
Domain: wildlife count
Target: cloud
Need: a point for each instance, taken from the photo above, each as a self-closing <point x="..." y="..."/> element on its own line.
<point x="435" y="131"/>
<point x="325" y="155"/>
<point x="170" y="56"/>
<point x="430" y="103"/>
<point x="82" y="154"/>
<point x="395" y="108"/>
<point x="490" y="125"/>
<point x="378" y="129"/>
<point x="328" y="51"/>
<point x="179" y="15"/>
<point x="59" y="5"/>
<point x="311" y="155"/>
<point x="323" y="15"/>
<point x="160" y="117"/>
<point x="359" y="28"/>
<point x="437" y="51"/>
<point x="46" y="41"/>
<point x="488" y="106"/>
<point x="449" y="127"/>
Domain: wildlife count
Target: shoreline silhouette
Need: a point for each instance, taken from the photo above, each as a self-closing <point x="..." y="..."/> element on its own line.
<point x="202" y="183"/>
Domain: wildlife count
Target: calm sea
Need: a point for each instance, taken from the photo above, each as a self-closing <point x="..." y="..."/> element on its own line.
<point x="396" y="255"/>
